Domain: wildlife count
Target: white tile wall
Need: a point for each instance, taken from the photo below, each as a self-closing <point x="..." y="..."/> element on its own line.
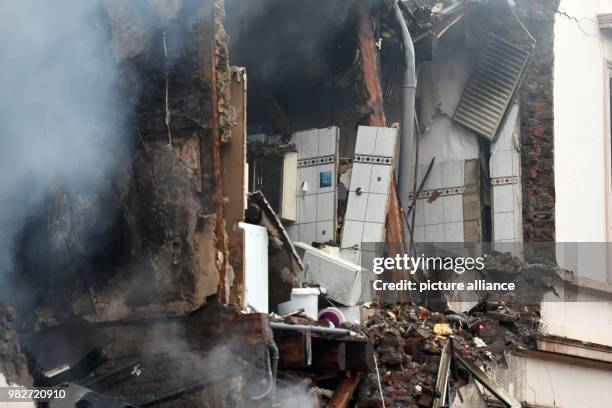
<point x="383" y="138"/>
<point x="503" y="226"/>
<point x="419" y="216"/>
<point x="375" y="211"/>
<point x="373" y="232"/>
<point x="501" y="164"/>
<point x="442" y="219"/>
<point x="503" y="198"/>
<point x="434" y="233"/>
<point x="307" y="175"/>
<point x="434" y="211"/>
<point x="307" y="208"/>
<point x="506" y="205"/>
<point x="365" y="214"/>
<point x="452" y="173"/>
<point x="434" y="180"/>
<point x="308" y="232"/>
<point x="453" y="232"/>
<point x="363" y="173"/>
<point x="453" y="208"/>
<point x="380" y="179"/>
<point x="325" y="230"/>
<point x="316" y="205"/>
<point x="325" y="206"/>
<point x="419" y="234"/>
<point x="366" y="140"/>
<point x="356" y="206"/>
<point x="352" y="231"/>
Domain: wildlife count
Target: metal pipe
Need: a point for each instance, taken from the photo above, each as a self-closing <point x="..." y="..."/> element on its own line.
<point x="271" y="358"/>
<point x="312" y="329"/>
<point x="409" y="84"/>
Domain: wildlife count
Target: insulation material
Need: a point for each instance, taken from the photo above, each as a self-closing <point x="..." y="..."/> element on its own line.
<point x="491" y="86"/>
<point x="505" y="175"/>
<point x="368" y="194"/>
<point x="316" y="194"/>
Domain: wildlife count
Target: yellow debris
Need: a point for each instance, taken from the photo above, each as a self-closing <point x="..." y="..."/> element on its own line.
<point x="442" y="329"/>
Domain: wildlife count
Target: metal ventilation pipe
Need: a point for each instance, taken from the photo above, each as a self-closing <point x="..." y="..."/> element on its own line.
<point x="407" y="140"/>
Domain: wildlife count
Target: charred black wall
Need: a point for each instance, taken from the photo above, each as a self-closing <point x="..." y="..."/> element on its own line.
<point x="158" y="244"/>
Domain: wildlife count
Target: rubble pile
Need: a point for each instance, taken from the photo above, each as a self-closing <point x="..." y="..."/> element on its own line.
<point x="409" y="339"/>
<point x="13" y="363"/>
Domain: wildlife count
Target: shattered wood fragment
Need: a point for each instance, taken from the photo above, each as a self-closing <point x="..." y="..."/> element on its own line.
<point x="373" y="107"/>
<point x="344" y="393"/>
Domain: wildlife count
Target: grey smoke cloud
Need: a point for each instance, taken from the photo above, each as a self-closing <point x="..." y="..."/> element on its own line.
<point x="59" y="111"/>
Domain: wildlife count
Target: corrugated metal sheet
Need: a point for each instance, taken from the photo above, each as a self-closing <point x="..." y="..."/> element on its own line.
<point x="491" y="86"/>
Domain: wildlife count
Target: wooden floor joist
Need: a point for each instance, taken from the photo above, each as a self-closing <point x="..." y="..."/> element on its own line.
<point x="344" y="393"/>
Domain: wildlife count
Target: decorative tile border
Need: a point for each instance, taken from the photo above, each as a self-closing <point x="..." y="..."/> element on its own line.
<point x="501" y="181"/>
<point x="316" y="161"/>
<point x="442" y="192"/>
<point x="371" y="159"/>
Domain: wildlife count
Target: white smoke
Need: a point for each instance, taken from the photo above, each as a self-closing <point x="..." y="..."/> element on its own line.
<point x="59" y="112"/>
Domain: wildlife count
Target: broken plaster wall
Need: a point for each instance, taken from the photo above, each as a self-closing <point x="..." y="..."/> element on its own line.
<point x="165" y="247"/>
<point x="448" y="218"/>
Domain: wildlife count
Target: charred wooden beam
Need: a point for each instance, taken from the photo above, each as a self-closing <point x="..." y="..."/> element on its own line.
<point x="372" y="92"/>
<point x="360" y="356"/>
<point x="207" y="56"/>
<point x="212" y="323"/>
<point x="92" y="360"/>
<point x="295" y="350"/>
<point x="328" y="355"/>
<point x="395" y="236"/>
<point x="344" y="393"/>
<point x="234" y="163"/>
<point x="375" y="116"/>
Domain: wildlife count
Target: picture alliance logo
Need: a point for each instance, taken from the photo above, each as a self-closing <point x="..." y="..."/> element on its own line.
<point x="405" y="262"/>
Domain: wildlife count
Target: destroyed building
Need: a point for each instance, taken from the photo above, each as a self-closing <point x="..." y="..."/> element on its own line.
<point x="199" y="188"/>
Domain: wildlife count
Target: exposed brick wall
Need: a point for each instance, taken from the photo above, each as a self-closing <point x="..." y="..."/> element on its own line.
<point x="537" y="123"/>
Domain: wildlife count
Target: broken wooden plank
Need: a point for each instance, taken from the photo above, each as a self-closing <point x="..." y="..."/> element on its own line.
<point x="328" y="355"/>
<point x="232" y="154"/>
<point x="344" y="393"/>
<point x="294" y="349"/>
<point x="373" y="107"/>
